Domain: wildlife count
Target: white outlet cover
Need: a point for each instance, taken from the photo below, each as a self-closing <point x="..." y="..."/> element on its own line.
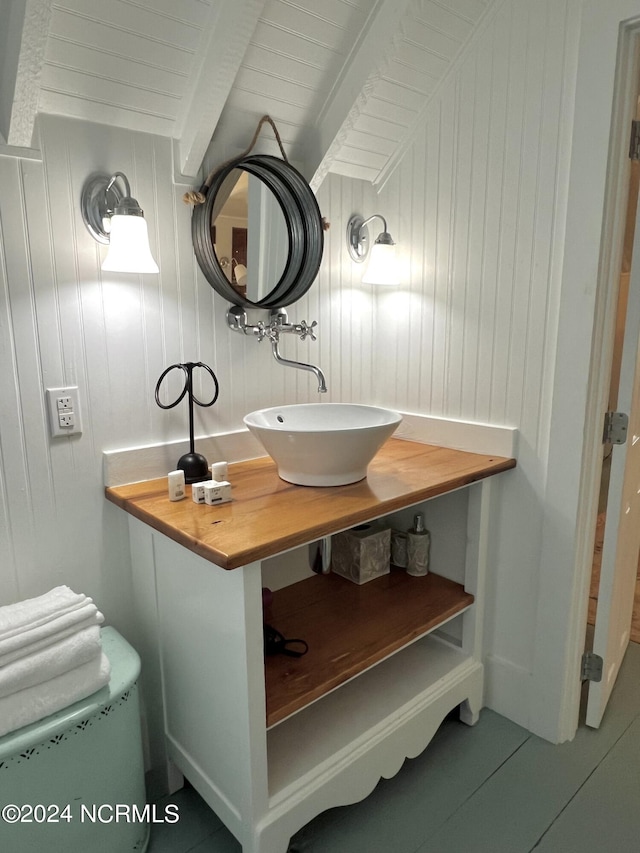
<point x="52" y="396"/>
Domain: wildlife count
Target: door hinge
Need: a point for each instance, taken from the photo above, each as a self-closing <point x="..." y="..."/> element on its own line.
<point x="634" y="144"/>
<point x="591" y="669"/>
<point x="616" y="425"/>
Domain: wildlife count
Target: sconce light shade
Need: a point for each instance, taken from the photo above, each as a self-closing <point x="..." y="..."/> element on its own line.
<point x="382" y="266"/>
<point x="241" y="275"/>
<point x="129" y="249"/>
<point x="117" y="220"/>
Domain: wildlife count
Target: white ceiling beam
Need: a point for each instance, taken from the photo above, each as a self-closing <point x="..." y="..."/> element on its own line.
<point x="230" y="31"/>
<point x="24" y="42"/>
<point x="354" y="86"/>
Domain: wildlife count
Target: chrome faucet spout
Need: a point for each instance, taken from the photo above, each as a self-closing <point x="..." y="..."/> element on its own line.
<point x="278" y="325"/>
<point x="287" y="362"/>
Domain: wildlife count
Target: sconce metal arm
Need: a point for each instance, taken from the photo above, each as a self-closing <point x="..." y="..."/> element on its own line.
<point x="101" y="198"/>
<point x="369" y="219"/>
<point x="358" y="243"/>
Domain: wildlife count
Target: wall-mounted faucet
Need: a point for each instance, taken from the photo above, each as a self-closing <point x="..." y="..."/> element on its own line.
<point x="278" y="325"/>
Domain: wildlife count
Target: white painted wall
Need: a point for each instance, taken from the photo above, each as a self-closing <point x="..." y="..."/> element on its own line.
<point x="64" y="322"/>
<point x="501" y="198"/>
<point x="480" y="199"/>
<point x="478" y="204"/>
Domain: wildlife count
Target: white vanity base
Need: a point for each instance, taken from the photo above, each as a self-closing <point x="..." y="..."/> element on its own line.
<point x="202" y="648"/>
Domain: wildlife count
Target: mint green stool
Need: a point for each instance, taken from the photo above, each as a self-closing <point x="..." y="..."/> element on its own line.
<point x="87" y="757"/>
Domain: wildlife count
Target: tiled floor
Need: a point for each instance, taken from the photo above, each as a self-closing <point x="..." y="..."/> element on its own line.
<point x="493" y="788"/>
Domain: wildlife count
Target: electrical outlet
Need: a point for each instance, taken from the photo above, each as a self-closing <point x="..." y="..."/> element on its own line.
<point x="63" y="405"/>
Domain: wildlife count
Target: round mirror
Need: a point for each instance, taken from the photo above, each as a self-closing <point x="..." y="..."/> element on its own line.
<point x="258" y="238"/>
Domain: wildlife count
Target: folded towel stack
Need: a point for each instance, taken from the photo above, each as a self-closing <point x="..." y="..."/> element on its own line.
<point x="50" y="656"/>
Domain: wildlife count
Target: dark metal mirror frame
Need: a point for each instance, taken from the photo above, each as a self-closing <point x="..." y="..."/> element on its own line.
<point x="304" y="226"/>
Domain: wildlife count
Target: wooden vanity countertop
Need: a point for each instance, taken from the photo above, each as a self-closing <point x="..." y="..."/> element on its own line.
<point x="268" y="515"/>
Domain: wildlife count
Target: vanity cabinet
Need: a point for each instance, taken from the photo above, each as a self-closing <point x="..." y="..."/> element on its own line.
<point x="269" y="744"/>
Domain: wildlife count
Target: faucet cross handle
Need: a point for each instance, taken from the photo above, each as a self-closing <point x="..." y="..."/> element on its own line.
<point x="306" y="330"/>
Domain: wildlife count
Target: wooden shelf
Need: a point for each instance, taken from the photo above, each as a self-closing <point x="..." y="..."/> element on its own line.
<point x="312" y="743"/>
<point x="349" y="628"/>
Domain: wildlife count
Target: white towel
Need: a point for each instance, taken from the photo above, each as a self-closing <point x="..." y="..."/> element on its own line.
<point x="53" y="660"/>
<point x="32" y="612"/>
<point x="34" y="703"/>
<point x="31" y="639"/>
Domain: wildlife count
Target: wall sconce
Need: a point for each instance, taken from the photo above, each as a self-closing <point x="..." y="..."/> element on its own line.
<point x="383" y="265"/>
<point x="118" y="221"/>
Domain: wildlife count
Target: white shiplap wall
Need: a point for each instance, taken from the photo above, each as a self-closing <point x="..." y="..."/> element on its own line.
<point x="64" y="322"/>
<point x="476" y="205"/>
<point x="476" y="199"/>
<point x="480" y="197"/>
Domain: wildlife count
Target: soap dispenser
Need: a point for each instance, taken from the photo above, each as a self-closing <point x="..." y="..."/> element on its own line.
<point x="418" y="547"/>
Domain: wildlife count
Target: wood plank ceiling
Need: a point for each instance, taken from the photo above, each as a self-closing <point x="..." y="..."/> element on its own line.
<point x="344" y="80"/>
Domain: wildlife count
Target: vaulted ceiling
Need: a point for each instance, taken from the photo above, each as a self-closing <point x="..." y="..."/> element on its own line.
<point x="344" y="80"/>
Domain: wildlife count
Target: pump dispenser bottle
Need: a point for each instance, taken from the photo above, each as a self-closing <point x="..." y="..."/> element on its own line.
<point x="418" y="547"/>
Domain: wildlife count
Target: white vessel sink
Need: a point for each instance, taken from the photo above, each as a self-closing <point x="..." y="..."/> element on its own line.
<point x="322" y="444"/>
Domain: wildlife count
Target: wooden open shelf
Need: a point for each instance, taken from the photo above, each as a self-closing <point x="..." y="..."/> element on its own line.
<point x="349" y="628"/>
